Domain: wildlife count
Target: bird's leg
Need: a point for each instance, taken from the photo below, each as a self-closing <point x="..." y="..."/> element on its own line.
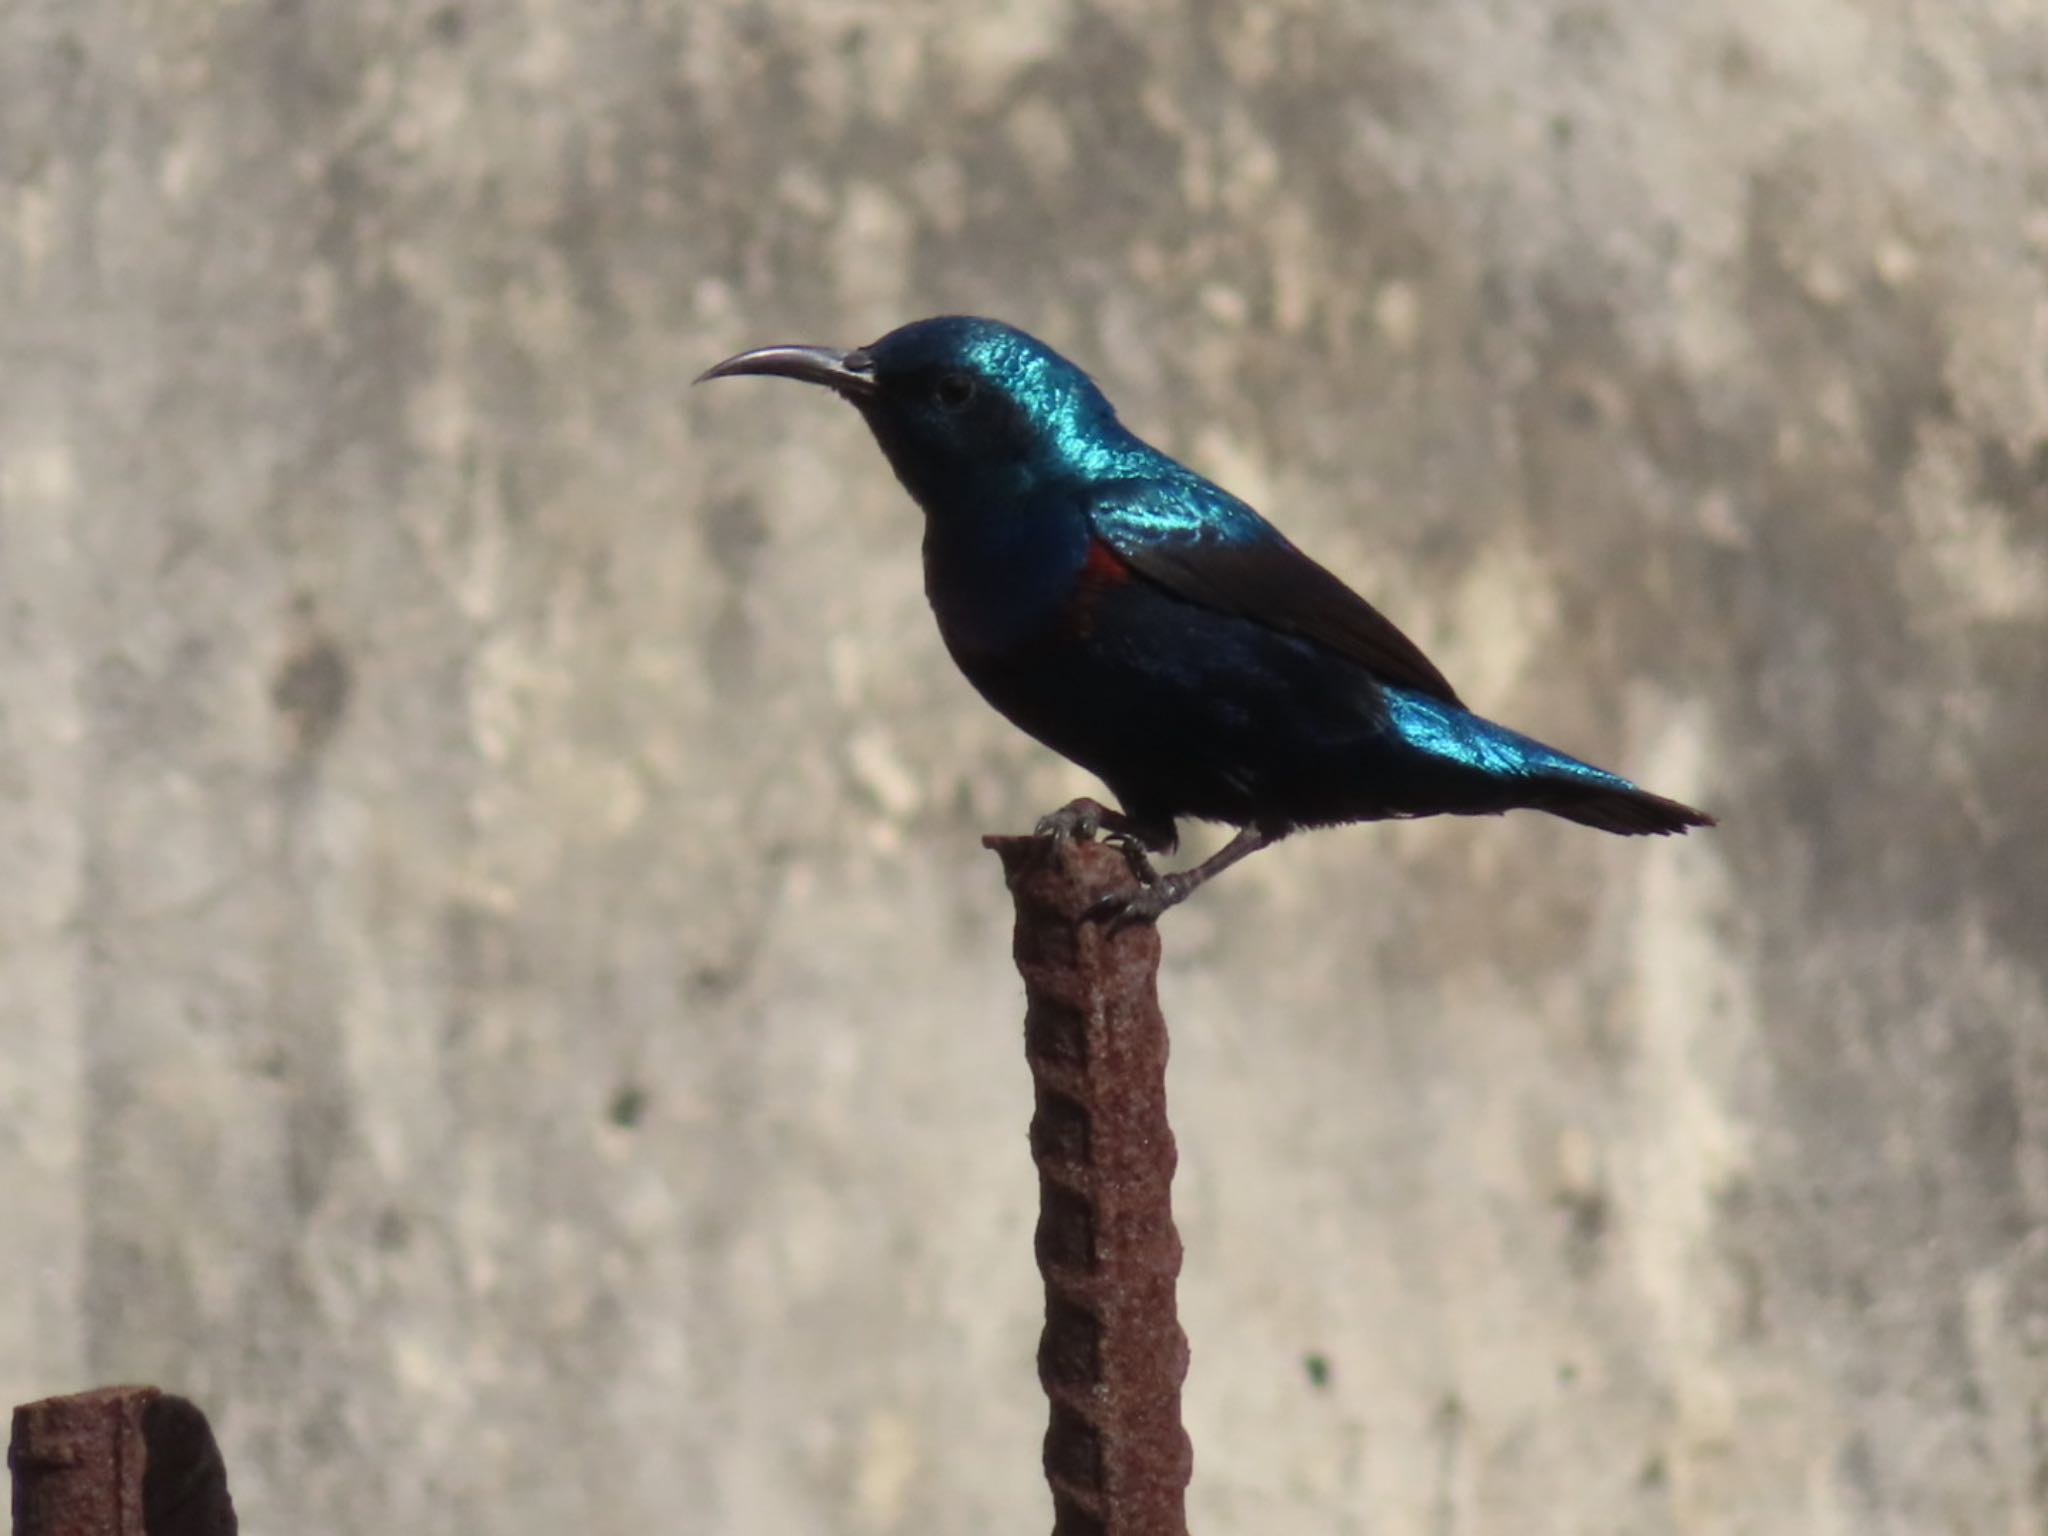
<point x="1085" y="819"/>
<point x="1171" y="890"/>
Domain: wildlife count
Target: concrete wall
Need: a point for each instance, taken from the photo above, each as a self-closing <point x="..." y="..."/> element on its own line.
<point x="502" y="999"/>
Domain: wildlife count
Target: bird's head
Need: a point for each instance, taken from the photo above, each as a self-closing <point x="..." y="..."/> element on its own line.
<point x="963" y="407"/>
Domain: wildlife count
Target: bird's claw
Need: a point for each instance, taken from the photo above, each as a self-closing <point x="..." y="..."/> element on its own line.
<point x="1154" y="896"/>
<point x="1079" y="819"/>
<point x="1086" y="820"/>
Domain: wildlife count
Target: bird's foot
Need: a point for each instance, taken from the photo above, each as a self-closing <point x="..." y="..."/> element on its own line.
<point x="1085" y="820"/>
<point x="1079" y="819"/>
<point x="1155" y="893"/>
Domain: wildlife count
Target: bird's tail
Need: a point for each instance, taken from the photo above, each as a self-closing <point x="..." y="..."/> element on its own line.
<point x="1505" y="769"/>
<point x="1616" y="807"/>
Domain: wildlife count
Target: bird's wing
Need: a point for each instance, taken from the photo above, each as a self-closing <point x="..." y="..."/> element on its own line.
<point x="1206" y="546"/>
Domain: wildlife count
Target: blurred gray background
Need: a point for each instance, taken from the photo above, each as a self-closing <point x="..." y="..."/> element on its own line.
<point x="503" y="1001"/>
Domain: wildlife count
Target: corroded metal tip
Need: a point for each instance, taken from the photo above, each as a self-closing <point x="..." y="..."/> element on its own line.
<point x="127" y="1459"/>
<point x="849" y="373"/>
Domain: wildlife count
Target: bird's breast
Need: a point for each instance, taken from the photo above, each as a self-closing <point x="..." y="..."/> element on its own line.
<point x="1000" y="582"/>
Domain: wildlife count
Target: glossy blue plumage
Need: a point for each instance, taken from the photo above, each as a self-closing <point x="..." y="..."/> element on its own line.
<point x="1446" y="733"/>
<point x="1155" y="629"/>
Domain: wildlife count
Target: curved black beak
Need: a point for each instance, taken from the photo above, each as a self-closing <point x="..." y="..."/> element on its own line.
<point x="851" y="374"/>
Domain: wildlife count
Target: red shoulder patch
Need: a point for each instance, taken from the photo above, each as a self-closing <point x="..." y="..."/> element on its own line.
<point x="1101" y="569"/>
<point x="1104" y="567"/>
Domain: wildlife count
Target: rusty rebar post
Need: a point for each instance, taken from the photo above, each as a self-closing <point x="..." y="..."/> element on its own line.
<point x="1112" y="1356"/>
<point x="119" y="1461"/>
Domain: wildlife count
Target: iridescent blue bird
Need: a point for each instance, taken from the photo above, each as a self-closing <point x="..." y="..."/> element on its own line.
<point x="1153" y="628"/>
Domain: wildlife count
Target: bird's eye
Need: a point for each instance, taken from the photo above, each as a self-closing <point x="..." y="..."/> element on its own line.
<point x="954" y="391"/>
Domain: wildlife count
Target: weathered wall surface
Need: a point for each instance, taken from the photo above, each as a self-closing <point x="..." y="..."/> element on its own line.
<point x="502" y="999"/>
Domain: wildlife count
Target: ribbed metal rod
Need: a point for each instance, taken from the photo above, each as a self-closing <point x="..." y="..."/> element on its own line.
<point x="1112" y="1356"/>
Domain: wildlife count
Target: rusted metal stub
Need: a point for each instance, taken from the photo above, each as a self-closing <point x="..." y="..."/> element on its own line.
<point x="1112" y="1356"/>
<point x="77" y="1463"/>
<point x="118" y="1461"/>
